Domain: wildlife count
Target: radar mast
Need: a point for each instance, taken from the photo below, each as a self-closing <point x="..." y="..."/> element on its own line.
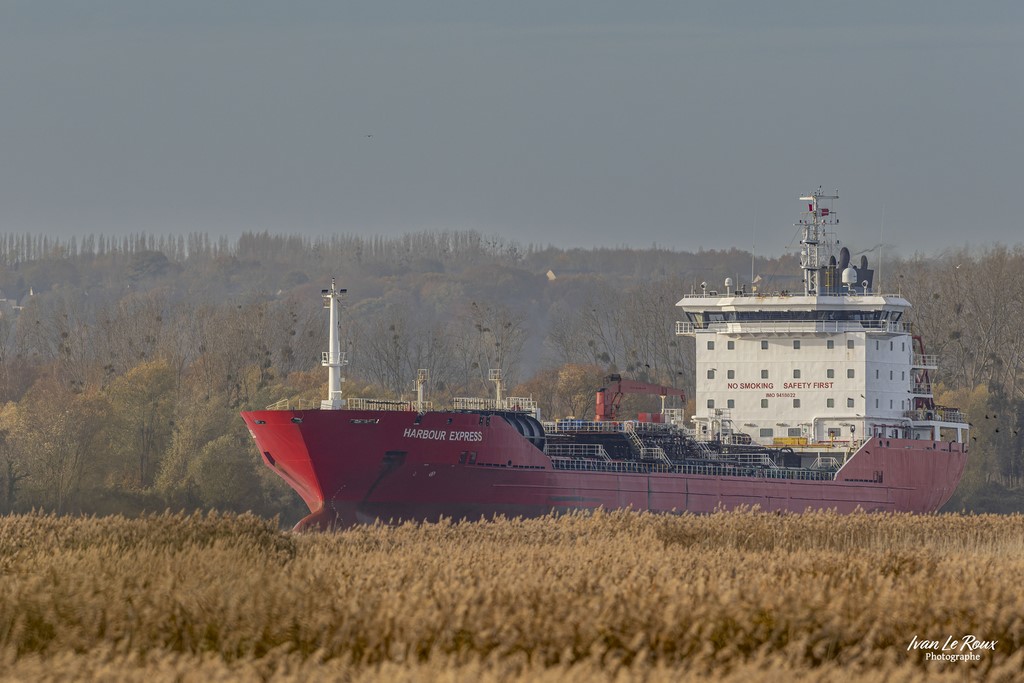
<point x="815" y="223"/>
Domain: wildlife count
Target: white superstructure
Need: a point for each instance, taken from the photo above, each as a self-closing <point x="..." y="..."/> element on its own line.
<point x="826" y="366"/>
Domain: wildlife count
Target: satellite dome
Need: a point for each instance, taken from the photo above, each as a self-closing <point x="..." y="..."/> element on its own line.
<point x="850" y="276"/>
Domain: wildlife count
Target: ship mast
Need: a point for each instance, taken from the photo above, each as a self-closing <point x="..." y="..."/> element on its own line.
<point x="333" y="358"/>
<point x="819" y="216"/>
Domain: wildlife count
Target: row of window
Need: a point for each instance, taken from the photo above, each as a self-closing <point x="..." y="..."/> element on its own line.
<point x="731" y="344"/>
<point x="792" y="431"/>
<point x="830" y="373"/>
<point x="829" y="403"/>
<point x="829" y="344"/>
<point x="793" y="316"/>
<point x="767" y="432"/>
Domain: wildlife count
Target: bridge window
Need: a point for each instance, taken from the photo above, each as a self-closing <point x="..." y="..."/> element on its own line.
<point x="849" y="343"/>
<point x="764" y="343"/>
<point x="793" y="431"/>
<point x="731" y="345"/>
<point x="767" y="432"/>
<point x="830" y="344"/>
<point x="796" y="343"/>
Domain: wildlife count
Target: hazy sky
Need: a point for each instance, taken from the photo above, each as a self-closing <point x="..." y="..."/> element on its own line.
<point x="584" y="123"/>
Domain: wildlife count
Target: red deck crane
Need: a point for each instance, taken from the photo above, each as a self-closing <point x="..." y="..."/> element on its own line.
<point x="609" y="397"/>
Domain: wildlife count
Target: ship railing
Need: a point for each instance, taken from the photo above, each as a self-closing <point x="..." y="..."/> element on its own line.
<point x="684" y="328"/>
<point x="756" y="459"/>
<point x="656" y="453"/>
<point x="709" y="470"/>
<point x="674" y="416"/>
<point x="638" y="426"/>
<point x="327" y="361"/>
<point x="386" y="404"/>
<point x="705" y="450"/>
<point x="516" y="404"/>
<point x="294" y="404"/>
<point x="925" y="361"/>
<point x="937" y="414"/>
<point x="921" y="388"/>
<point x="581" y="426"/>
<point x="571" y="425"/>
<point x="590" y="451"/>
<point x="825" y="462"/>
<point x="742" y="294"/>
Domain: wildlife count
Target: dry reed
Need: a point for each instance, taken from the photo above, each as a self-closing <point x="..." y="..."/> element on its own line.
<point x="607" y="596"/>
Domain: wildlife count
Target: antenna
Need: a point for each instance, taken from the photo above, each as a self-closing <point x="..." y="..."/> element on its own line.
<point x="753" y="245"/>
<point x="881" y="231"/>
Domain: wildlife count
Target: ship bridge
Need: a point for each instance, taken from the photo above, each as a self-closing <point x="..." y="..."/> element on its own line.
<point x="834" y="363"/>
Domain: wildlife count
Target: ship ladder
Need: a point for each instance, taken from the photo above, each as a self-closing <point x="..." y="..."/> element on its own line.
<point x="645" y="453"/>
<point x="629" y="429"/>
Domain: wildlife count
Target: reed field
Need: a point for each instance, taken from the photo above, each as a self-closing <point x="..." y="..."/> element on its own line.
<point x="620" y="596"/>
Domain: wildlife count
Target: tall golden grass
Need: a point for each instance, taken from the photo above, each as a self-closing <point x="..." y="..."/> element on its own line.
<point x="740" y="596"/>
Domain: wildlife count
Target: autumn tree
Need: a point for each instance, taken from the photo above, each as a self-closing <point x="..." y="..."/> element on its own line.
<point x="12" y="467"/>
<point x="140" y="424"/>
<point x="57" y="435"/>
<point x="565" y="390"/>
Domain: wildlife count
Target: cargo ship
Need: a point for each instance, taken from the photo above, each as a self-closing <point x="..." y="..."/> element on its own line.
<point x="812" y="399"/>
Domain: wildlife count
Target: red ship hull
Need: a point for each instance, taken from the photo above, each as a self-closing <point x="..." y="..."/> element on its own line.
<point x="355" y="466"/>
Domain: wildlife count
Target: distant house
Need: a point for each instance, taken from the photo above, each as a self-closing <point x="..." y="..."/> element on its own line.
<point x="15" y="305"/>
